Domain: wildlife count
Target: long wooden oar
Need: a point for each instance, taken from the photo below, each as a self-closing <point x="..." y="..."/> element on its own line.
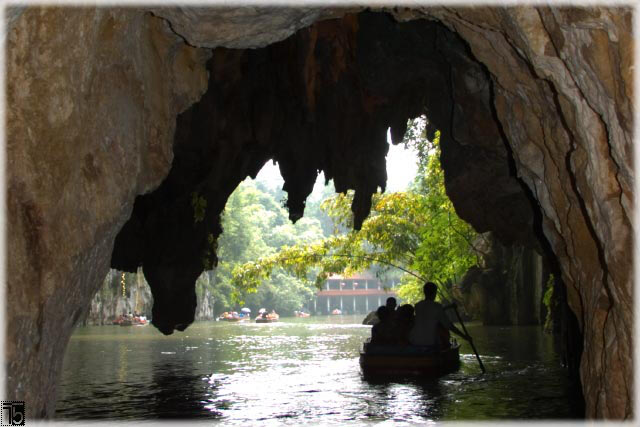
<point x="455" y="308"/>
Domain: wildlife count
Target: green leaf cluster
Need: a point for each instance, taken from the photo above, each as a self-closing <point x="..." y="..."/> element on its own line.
<point x="199" y="205"/>
<point x="256" y="226"/>
<point x="417" y="230"/>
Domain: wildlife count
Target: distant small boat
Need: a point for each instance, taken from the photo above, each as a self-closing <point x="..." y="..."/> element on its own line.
<point x="235" y="319"/>
<point x="301" y="314"/>
<point x="234" y="316"/>
<point x="382" y="361"/>
<point x="131" y="321"/>
<point x="336" y="311"/>
<point x="268" y="318"/>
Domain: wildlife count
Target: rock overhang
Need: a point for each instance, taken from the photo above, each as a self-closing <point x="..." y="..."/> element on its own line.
<point x="320" y="100"/>
<point x="550" y="71"/>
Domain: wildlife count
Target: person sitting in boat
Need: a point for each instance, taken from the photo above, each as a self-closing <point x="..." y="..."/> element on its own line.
<point x="429" y="315"/>
<point x="391" y="305"/>
<point x="404" y="323"/>
<point x="383" y="332"/>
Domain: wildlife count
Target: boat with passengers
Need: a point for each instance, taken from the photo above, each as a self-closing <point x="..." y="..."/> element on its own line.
<point x="131" y="320"/>
<point x="378" y="360"/>
<point x="234" y="316"/>
<point x="301" y="314"/>
<point x="265" y="317"/>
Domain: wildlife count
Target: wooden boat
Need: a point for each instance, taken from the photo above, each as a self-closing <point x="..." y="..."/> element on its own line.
<point x="268" y="318"/>
<point x="377" y="361"/>
<point x="233" y="316"/>
<point x="130" y="321"/>
<point x="235" y="319"/>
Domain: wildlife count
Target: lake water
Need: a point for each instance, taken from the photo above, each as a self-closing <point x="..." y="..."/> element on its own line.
<point x="299" y="371"/>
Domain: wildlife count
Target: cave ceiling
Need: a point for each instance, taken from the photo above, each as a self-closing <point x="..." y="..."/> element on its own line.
<point x="320" y="100"/>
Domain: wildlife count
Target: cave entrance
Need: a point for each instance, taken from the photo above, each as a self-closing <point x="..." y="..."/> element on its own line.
<point x="317" y="101"/>
<point x="257" y="230"/>
<point x="124" y="113"/>
<point x="236" y="369"/>
<point x="322" y="99"/>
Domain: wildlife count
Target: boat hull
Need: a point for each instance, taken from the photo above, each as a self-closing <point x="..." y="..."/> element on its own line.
<point x="234" y="319"/>
<point x="413" y="365"/>
<point x="266" y="320"/>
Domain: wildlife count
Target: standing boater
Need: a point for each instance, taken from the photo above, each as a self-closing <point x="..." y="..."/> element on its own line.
<point x="429" y="314"/>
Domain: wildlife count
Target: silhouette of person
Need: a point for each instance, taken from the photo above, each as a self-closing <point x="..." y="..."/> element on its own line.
<point x="391" y="304"/>
<point x="430" y="314"/>
<point x="382" y="332"/>
<point x="392" y="313"/>
<point x="404" y="323"/>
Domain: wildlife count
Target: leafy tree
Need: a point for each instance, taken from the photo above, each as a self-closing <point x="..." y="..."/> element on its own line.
<point x="314" y="209"/>
<point x="255" y="224"/>
<point x="417" y="230"/>
<point x="282" y="293"/>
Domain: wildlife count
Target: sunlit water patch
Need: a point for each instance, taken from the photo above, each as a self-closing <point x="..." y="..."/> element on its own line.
<point x="299" y="370"/>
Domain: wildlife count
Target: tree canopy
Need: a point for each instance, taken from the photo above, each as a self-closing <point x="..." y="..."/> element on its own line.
<point x="417" y="231"/>
<point x="266" y="261"/>
<point x="256" y="225"/>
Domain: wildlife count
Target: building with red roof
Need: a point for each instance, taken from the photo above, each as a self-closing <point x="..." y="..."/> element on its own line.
<point x="356" y="294"/>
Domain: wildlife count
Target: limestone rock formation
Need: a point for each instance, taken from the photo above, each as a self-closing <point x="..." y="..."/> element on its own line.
<point x="109" y="302"/>
<point x="112" y="301"/>
<point x="563" y="94"/>
<point x="507" y="287"/>
<point x="321" y="100"/>
<point x="90" y="122"/>
<point x="240" y="27"/>
<point x="542" y="96"/>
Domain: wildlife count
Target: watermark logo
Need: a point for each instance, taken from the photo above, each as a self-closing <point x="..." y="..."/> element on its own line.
<point x="12" y="413"/>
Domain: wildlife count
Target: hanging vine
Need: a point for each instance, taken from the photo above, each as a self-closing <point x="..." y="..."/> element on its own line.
<point x="124" y="288"/>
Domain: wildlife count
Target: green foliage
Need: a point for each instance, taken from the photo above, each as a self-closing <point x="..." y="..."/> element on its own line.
<point x="445" y="253"/>
<point x="199" y="205"/>
<point x="416" y="230"/>
<point x="283" y="293"/>
<point x="255" y="225"/>
<point x="410" y="289"/>
<point x="210" y="250"/>
<point x="314" y="209"/>
<point x="547" y="301"/>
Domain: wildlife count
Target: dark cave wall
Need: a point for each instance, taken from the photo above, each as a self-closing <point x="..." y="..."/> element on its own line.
<point x="563" y="95"/>
<point x="507" y="286"/>
<point x="90" y="119"/>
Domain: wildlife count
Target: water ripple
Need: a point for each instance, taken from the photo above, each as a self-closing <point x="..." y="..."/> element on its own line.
<point x="298" y="372"/>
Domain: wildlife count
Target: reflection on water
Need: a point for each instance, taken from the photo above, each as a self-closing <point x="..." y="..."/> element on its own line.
<point x="299" y="370"/>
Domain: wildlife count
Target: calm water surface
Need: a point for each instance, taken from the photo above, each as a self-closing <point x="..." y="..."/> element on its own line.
<point x="299" y="370"/>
